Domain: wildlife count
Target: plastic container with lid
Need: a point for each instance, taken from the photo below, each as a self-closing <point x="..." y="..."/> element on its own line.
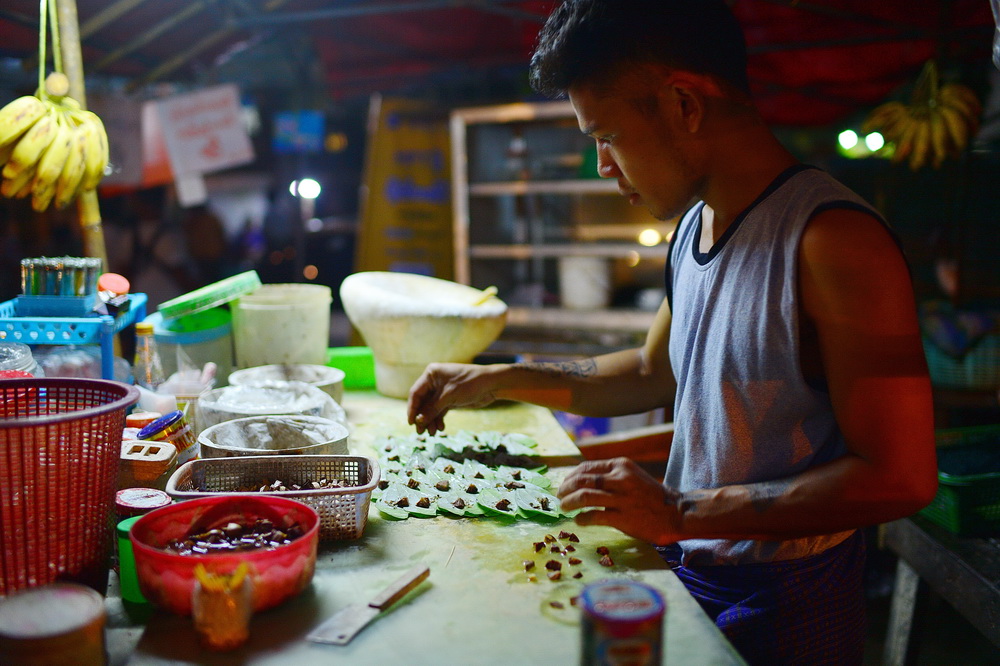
<point x="114" y="284"/>
<point x="210" y="296"/>
<point x="61" y="623"/>
<point x="17" y="356"/>
<point x="621" y="622"/>
<point x="174" y="428"/>
<point x="204" y="336"/>
<point x="138" y="501"/>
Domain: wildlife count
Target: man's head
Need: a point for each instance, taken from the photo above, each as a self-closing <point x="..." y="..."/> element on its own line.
<point x="592" y="42"/>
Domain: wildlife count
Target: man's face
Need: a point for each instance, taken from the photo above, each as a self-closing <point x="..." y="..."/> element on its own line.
<point x="640" y="144"/>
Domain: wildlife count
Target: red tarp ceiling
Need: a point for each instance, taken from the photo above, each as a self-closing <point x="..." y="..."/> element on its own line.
<point x="811" y="62"/>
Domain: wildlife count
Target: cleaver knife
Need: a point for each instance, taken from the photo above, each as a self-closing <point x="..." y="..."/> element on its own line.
<point x="348" y="622"/>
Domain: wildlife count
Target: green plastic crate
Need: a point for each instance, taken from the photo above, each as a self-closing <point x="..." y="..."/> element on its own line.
<point x="968" y="497"/>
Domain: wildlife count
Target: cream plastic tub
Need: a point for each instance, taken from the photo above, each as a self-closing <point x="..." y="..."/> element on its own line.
<point x="412" y="320"/>
<point x="274" y="435"/>
<point x="282" y="323"/>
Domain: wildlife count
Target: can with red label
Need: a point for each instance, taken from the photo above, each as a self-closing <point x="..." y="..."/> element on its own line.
<point x="622" y="623"/>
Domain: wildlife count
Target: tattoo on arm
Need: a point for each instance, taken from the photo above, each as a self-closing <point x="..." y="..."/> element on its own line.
<point x="763" y="495"/>
<point x="585" y="368"/>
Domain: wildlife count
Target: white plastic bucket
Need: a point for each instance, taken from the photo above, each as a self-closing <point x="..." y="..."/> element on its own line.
<point x="282" y="324"/>
<point x="584" y="283"/>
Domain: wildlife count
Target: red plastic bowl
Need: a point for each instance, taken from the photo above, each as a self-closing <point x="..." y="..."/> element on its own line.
<point x="167" y="579"/>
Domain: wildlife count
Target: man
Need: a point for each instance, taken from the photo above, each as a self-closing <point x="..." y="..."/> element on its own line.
<point x="803" y="407"/>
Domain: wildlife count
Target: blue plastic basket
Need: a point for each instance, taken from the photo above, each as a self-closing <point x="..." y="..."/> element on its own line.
<point x="71" y="330"/>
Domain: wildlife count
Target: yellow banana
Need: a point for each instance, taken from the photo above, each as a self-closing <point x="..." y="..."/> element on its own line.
<point x="51" y="165"/>
<point x="5" y="152"/>
<point x="957" y="127"/>
<point x="69" y="181"/>
<point x="962" y="96"/>
<point x="32" y="145"/>
<point x="97" y="148"/>
<point x="921" y="143"/>
<point x="883" y="117"/>
<point x="19" y="186"/>
<point x="18" y="116"/>
<point x="939" y="138"/>
<point x="904" y="144"/>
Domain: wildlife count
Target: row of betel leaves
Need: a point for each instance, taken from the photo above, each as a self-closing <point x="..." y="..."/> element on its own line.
<point x="465" y="474"/>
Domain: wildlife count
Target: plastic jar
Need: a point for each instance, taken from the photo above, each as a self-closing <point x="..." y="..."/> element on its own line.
<point x="17" y="356"/>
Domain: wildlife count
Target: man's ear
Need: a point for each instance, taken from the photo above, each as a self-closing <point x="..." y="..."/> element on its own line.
<point x="688" y="93"/>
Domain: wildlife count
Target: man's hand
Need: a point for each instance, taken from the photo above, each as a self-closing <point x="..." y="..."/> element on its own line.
<point x="445" y="386"/>
<point x="622" y="495"/>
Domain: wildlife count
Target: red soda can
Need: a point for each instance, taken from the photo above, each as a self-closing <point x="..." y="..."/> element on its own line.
<point x="622" y="623"/>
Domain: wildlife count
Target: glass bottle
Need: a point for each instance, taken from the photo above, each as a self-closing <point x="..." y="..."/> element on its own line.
<point x="147" y="368"/>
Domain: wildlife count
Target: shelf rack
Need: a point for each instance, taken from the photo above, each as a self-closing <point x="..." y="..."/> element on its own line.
<point x="97" y="329"/>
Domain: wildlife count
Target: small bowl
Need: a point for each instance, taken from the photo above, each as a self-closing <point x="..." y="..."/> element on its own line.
<point x="167" y="579"/>
<point x="262" y="436"/>
<point x="323" y="377"/>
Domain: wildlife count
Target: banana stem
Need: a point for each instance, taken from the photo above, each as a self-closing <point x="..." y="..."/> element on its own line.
<point x="43" y="15"/>
<point x="925" y="91"/>
<point x="54" y="29"/>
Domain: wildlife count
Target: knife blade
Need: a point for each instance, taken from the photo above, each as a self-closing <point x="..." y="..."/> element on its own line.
<point x="346" y="623"/>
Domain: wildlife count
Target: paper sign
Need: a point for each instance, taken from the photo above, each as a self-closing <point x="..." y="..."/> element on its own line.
<point x="203" y="131"/>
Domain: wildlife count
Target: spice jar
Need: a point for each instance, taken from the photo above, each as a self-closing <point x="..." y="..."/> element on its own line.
<point x="174" y="428"/>
<point x="138" y="501"/>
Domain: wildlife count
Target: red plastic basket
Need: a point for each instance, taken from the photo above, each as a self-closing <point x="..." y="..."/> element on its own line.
<point x="60" y="442"/>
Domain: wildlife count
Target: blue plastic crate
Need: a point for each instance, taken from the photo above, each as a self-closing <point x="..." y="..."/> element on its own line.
<point x="71" y="330"/>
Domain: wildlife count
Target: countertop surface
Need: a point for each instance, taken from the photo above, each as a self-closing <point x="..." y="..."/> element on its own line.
<point x="479" y="605"/>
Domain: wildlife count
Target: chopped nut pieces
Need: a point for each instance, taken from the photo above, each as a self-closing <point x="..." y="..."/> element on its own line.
<point x="549" y="538"/>
<point x="443" y="486"/>
<point x="556" y="604"/>
<point x="539" y="546"/>
<point x="555" y="549"/>
<point x="602" y="550"/>
<point x="606" y="561"/>
<point x="459" y="503"/>
<point x="575" y="560"/>
<point x="279" y="486"/>
<point x="424" y="503"/>
<point x="570" y="549"/>
<point x="578" y="574"/>
<point x="234" y="537"/>
<point x="555" y="575"/>
<point x="553" y="565"/>
<point x="402" y="502"/>
<point x="503" y="505"/>
<point x="413" y="483"/>
<point x="472" y="490"/>
<point x="529" y="565"/>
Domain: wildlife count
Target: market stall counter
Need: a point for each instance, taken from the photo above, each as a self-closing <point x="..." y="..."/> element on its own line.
<point x="478" y="606"/>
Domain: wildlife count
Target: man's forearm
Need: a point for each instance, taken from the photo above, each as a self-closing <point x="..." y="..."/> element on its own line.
<point x="841" y="495"/>
<point x="608" y="385"/>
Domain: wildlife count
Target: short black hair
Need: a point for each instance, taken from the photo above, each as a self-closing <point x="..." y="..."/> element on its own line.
<point x="589" y="41"/>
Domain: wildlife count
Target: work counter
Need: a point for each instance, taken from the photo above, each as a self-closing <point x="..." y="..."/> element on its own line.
<point x="478" y="606"/>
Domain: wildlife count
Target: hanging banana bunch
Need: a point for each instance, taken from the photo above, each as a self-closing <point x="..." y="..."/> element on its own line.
<point x="50" y="149"/>
<point x="936" y="125"/>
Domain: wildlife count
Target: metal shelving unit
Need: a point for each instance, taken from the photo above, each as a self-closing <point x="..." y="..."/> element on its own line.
<point x="522" y="204"/>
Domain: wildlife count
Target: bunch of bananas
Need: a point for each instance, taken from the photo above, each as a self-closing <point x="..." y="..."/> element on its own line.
<point x="50" y="150"/>
<point x="936" y="125"/>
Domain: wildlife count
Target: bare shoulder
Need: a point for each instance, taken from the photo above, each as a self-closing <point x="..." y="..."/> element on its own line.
<point x="851" y="266"/>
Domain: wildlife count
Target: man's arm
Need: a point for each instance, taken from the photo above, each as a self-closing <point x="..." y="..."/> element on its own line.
<point x="623" y="382"/>
<point x="856" y="290"/>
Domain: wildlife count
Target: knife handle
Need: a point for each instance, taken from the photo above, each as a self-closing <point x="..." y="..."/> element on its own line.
<point x="400" y="587"/>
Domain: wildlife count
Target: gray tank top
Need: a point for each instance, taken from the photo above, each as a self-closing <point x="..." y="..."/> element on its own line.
<point x="744" y="412"/>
